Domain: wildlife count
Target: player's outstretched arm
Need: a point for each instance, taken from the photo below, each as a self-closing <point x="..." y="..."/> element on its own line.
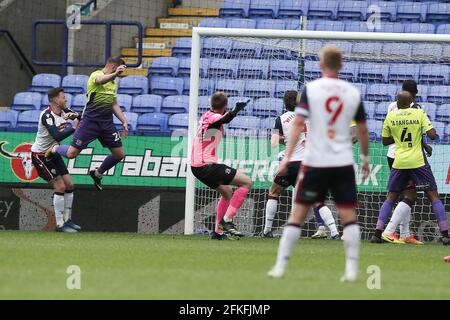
<point x="119" y="114"/>
<point x="104" y="79"/>
<point x="227" y="118"/>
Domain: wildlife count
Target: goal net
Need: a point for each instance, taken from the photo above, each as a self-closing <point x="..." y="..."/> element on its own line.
<point x="261" y="65"/>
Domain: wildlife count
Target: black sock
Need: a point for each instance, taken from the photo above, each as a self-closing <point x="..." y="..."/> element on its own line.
<point x="378" y="233"/>
<point x="445" y="233"/>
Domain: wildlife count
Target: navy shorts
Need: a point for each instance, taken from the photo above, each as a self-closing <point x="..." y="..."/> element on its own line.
<point x="290" y="179"/>
<point x="49" y="169"/>
<point x="90" y="130"/>
<point x="422" y="178"/>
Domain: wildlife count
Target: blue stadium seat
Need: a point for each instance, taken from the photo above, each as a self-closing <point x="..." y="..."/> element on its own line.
<point x="283" y="86"/>
<point x="206" y="86"/>
<point x="312" y="49"/>
<point x="271" y="24"/>
<point x="439" y="94"/>
<point x="323" y="9"/>
<point x="427" y="52"/>
<point x="412" y="11"/>
<point x="75" y="83"/>
<point x="443" y="28"/>
<point x="45" y="103"/>
<point x="164" y="66"/>
<point x="388" y="10"/>
<point x="231" y="87"/>
<point x="259" y="88"/>
<point x="440" y="130"/>
<point x="152" y="123"/>
<point x="445" y="53"/>
<point x="248" y="109"/>
<point x="268" y="123"/>
<point x="44" y="82"/>
<point x="204" y="104"/>
<point x="370" y="108"/>
<point x="133" y="85"/>
<point x="166" y="86"/>
<point x="175" y="104"/>
<point x="293" y="8"/>
<point x="357" y="26"/>
<point x="430" y="109"/>
<point x="25" y="101"/>
<point x="396" y="51"/>
<point x="381" y="111"/>
<point x="375" y="128"/>
<point x="443" y="113"/>
<point x="264" y="8"/>
<point x="447" y="134"/>
<point x="354" y="10"/>
<point x="216" y="47"/>
<point x="293" y="24"/>
<point x="312" y="70"/>
<point x="28" y="121"/>
<point x="182" y="48"/>
<point x="345" y="46"/>
<point x="253" y="69"/>
<point x="79" y="102"/>
<point x="179" y="121"/>
<point x="403" y="71"/>
<point x="213" y="23"/>
<point x="184" y="68"/>
<point x="280" y="49"/>
<point x="349" y="71"/>
<point x="284" y="69"/>
<point x="244" y="126"/>
<point x="241" y="23"/>
<point x="146" y="103"/>
<point x="373" y="72"/>
<point x="245" y="50"/>
<point x="382" y="92"/>
<point x="222" y="68"/>
<point x="419" y="28"/>
<point x="329" y="25"/>
<point x="268" y="107"/>
<point x="362" y="87"/>
<point x="8" y="119"/>
<point x="434" y="74"/>
<point x="235" y="8"/>
<point x="390" y="27"/>
<point x="125" y="101"/>
<point x="132" y="121"/>
<point x="367" y="50"/>
<point x="438" y="12"/>
<point x="422" y="95"/>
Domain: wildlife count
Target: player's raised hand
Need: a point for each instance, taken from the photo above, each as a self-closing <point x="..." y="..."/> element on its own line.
<point x="239" y="107"/>
<point x="121" y="69"/>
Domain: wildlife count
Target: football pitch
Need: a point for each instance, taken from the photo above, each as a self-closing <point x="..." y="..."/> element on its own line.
<point x="131" y="266"/>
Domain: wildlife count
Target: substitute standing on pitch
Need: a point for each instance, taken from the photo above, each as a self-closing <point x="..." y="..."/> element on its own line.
<point x="331" y="105"/>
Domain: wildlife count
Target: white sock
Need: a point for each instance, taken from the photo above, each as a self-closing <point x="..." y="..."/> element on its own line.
<point x="404" y="225"/>
<point x="226" y="219"/>
<point x="289" y="239"/>
<point x="397" y="217"/>
<point x="271" y="210"/>
<point x="327" y="217"/>
<point x="352" y="242"/>
<point x="68" y="201"/>
<point x="58" y="204"/>
<point x="98" y="174"/>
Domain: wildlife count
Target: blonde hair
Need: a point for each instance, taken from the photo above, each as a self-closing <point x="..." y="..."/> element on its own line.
<point x="331" y="58"/>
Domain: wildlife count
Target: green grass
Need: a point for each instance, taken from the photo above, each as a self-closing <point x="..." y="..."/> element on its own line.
<point x="131" y="266"/>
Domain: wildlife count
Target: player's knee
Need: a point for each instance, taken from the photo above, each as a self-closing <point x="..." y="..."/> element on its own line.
<point x="59" y="187"/>
<point x="69" y="187"/>
<point x="72" y="153"/>
<point x="248" y="183"/>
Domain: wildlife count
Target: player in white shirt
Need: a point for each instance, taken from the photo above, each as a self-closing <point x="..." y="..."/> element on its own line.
<point x="330" y="105"/>
<point x="281" y="135"/>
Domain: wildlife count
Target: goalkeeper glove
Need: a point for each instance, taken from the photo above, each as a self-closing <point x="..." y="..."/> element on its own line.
<point x="239" y="107"/>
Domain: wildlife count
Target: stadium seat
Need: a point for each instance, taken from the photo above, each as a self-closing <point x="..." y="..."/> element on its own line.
<point x="268" y="123"/>
<point x="28" y="121"/>
<point x="133" y="85"/>
<point x="396" y="51"/>
<point x="439" y="94"/>
<point x="125" y="101"/>
<point x="179" y="121"/>
<point x="284" y="69"/>
<point x="146" y="103"/>
<point x="323" y="9"/>
<point x="132" y="121"/>
<point x="293" y="8"/>
<point x="387" y="10"/>
<point x="357" y="26"/>
<point x="259" y="88"/>
<point x="443" y="114"/>
<point x="440" y="131"/>
<point x="430" y="109"/>
<point x="434" y="74"/>
<point x="329" y="25"/>
<point x="283" y="86"/>
<point x="253" y="69"/>
<point x="44" y="82"/>
<point x="419" y="28"/>
<point x="231" y="87"/>
<point x="213" y="23"/>
<point x="248" y="109"/>
<point x="166" y="86"/>
<point x="264" y="8"/>
<point x="447" y="134"/>
<point x="349" y="71"/>
<point x="390" y="27"/>
<point x="293" y="24"/>
<point x="175" y="104"/>
<point x="382" y="92"/>
<point x="373" y="72"/>
<point x="271" y="24"/>
<point x="216" y="47"/>
<point x="8" y="119"/>
<point x="245" y="50"/>
<point x="182" y="48"/>
<point x="206" y="86"/>
<point x="427" y="52"/>
<point x="152" y="123"/>
<point x="26" y="101"/>
<point x="312" y="49"/>
<point x="311" y="70"/>
<point x="345" y="46"/>
<point x="268" y="107"/>
<point x="184" y="68"/>
<point x="370" y="108"/>
<point x="235" y="8"/>
<point x="222" y="68"/>
<point x="280" y="49"/>
<point x="422" y="95"/>
<point x="412" y="11"/>
<point x="443" y="28"/>
<point x="366" y="50"/>
<point x="438" y="12"/>
<point x="399" y="72"/>
<point x="375" y="128"/>
<point x="244" y="126"/>
<point x="45" y="103"/>
<point x="354" y="10"/>
<point x="362" y="87"/>
<point x="241" y="23"/>
<point x="75" y="83"/>
<point x="204" y="103"/>
<point x="79" y="102"/>
<point x="164" y="66"/>
<point x="381" y="111"/>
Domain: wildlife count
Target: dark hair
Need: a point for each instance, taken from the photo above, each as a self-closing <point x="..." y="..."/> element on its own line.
<point x="410" y="86"/>
<point x="219" y="101"/>
<point x="54" y="93"/>
<point x="290" y="100"/>
<point x="117" y="60"/>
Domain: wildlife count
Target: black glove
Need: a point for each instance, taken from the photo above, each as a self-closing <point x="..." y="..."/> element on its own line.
<point x="239" y="107"/>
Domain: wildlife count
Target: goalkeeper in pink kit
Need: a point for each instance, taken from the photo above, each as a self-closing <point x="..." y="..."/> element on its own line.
<point x="205" y="166"/>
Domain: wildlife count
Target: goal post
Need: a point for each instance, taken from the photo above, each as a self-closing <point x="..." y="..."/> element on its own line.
<point x="220" y="67"/>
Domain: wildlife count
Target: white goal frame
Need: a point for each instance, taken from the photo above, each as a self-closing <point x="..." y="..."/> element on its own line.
<point x="197" y="33"/>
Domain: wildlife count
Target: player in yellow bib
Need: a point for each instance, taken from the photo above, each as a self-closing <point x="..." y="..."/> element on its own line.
<point x="404" y="127"/>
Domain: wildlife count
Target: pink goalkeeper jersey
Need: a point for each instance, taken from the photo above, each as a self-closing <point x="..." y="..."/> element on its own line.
<point x="206" y="143"/>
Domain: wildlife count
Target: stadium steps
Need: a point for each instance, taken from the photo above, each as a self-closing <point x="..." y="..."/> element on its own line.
<point x="133" y="52"/>
<point x="194" y="12"/>
<point x="146" y="62"/>
<point x="190" y="22"/>
<point x="157" y="32"/>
